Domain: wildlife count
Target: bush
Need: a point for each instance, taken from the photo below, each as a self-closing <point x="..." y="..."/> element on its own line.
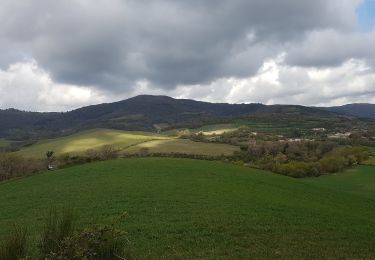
<point x="144" y="151"/>
<point x="96" y="243"/>
<point x="356" y="153"/>
<point x="298" y="169"/>
<point x="13" y="165"/>
<point x="108" y="152"/>
<point x="14" y="247"/>
<point x="332" y="164"/>
<point x="60" y="240"/>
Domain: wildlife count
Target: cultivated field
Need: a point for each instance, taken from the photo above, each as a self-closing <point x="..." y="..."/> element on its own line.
<point x="93" y="139"/>
<point x="184" y="146"/>
<point x="130" y="142"/>
<point x="181" y="208"/>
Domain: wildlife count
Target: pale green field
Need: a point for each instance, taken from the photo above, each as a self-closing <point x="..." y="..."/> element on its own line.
<point x="4" y="142"/>
<point x="80" y="142"/>
<point x="215" y="129"/>
<point x="184" y="146"/>
<point x="130" y="142"/>
<point x="207" y="129"/>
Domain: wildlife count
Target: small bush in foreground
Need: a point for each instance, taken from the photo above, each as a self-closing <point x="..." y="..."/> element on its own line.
<point x="60" y="240"/>
<point x="95" y="243"/>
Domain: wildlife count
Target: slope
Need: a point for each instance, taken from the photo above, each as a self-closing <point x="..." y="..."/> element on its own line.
<point x="182" y="208"/>
<point x="130" y="142"/>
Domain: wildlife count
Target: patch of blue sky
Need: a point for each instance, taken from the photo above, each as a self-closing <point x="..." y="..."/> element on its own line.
<point x="366" y="15"/>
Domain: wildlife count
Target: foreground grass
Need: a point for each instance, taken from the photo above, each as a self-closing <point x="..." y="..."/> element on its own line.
<point x="182" y="208"/>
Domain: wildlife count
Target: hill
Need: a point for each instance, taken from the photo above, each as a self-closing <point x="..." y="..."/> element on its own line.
<point x="137" y="113"/>
<point x="358" y="110"/>
<point x="143" y="113"/>
<point x="183" y="209"/>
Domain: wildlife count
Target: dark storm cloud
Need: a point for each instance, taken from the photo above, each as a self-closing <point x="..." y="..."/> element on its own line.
<point x="113" y="44"/>
<point x="330" y="48"/>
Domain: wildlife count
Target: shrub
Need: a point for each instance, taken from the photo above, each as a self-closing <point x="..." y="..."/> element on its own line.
<point x="144" y="151"/>
<point x="60" y="240"/>
<point x="93" y="155"/>
<point x="332" y="164"/>
<point x="96" y="243"/>
<point x="14" y="247"/>
<point x="13" y="165"/>
<point x="298" y="169"/>
<point x="108" y="152"/>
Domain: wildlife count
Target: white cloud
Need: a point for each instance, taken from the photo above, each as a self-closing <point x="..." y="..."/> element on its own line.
<point x="279" y="83"/>
<point x="26" y="86"/>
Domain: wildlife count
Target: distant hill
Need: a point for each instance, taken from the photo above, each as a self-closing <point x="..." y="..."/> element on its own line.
<point x="358" y="110"/>
<point x="141" y="113"/>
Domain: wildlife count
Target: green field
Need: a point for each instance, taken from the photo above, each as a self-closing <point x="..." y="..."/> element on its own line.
<point x="181" y="208"/>
<point x="184" y="146"/>
<point x="126" y="141"/>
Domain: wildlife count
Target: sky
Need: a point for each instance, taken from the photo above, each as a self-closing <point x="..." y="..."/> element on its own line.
<point x="63" y="54"/>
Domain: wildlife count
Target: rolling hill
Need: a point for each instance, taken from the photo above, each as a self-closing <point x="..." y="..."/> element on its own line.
<point x="142" y="113"/>
<point x="187" y="209"/>
<point x="358" y="110"/>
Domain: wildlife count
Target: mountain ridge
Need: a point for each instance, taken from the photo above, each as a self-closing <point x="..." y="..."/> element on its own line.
<point x="144" y="111"/>
<point x="362" y="110"/>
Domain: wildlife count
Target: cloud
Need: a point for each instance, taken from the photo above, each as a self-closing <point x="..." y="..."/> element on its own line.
<point x="27" y="87"/>
<point x="279" y="83"/>
<point x="117" y="48"/>
<point x="331" y="48"/>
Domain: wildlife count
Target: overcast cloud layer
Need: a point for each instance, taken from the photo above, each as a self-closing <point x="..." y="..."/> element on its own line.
<point x="63" y="54"/>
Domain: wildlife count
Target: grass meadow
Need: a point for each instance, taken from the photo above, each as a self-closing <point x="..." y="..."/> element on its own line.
<point x="180" y="208"/>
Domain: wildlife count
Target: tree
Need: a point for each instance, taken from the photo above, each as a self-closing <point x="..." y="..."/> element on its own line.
<point x="49" y="154"/>
<point x="50" y="158"/>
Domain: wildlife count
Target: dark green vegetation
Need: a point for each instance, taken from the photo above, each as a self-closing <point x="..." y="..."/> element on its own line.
<point x="358" y="110"/>
<point x="309" y="153"/>
<point x="180" y="208"/>
<point x="152" y="113"/>
<point x="302" y="158"/>
<point x="138" y="113"/>
<point x="61" y="239"/>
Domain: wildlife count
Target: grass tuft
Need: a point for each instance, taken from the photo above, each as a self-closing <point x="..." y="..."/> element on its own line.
<point x="14" y="247"/>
